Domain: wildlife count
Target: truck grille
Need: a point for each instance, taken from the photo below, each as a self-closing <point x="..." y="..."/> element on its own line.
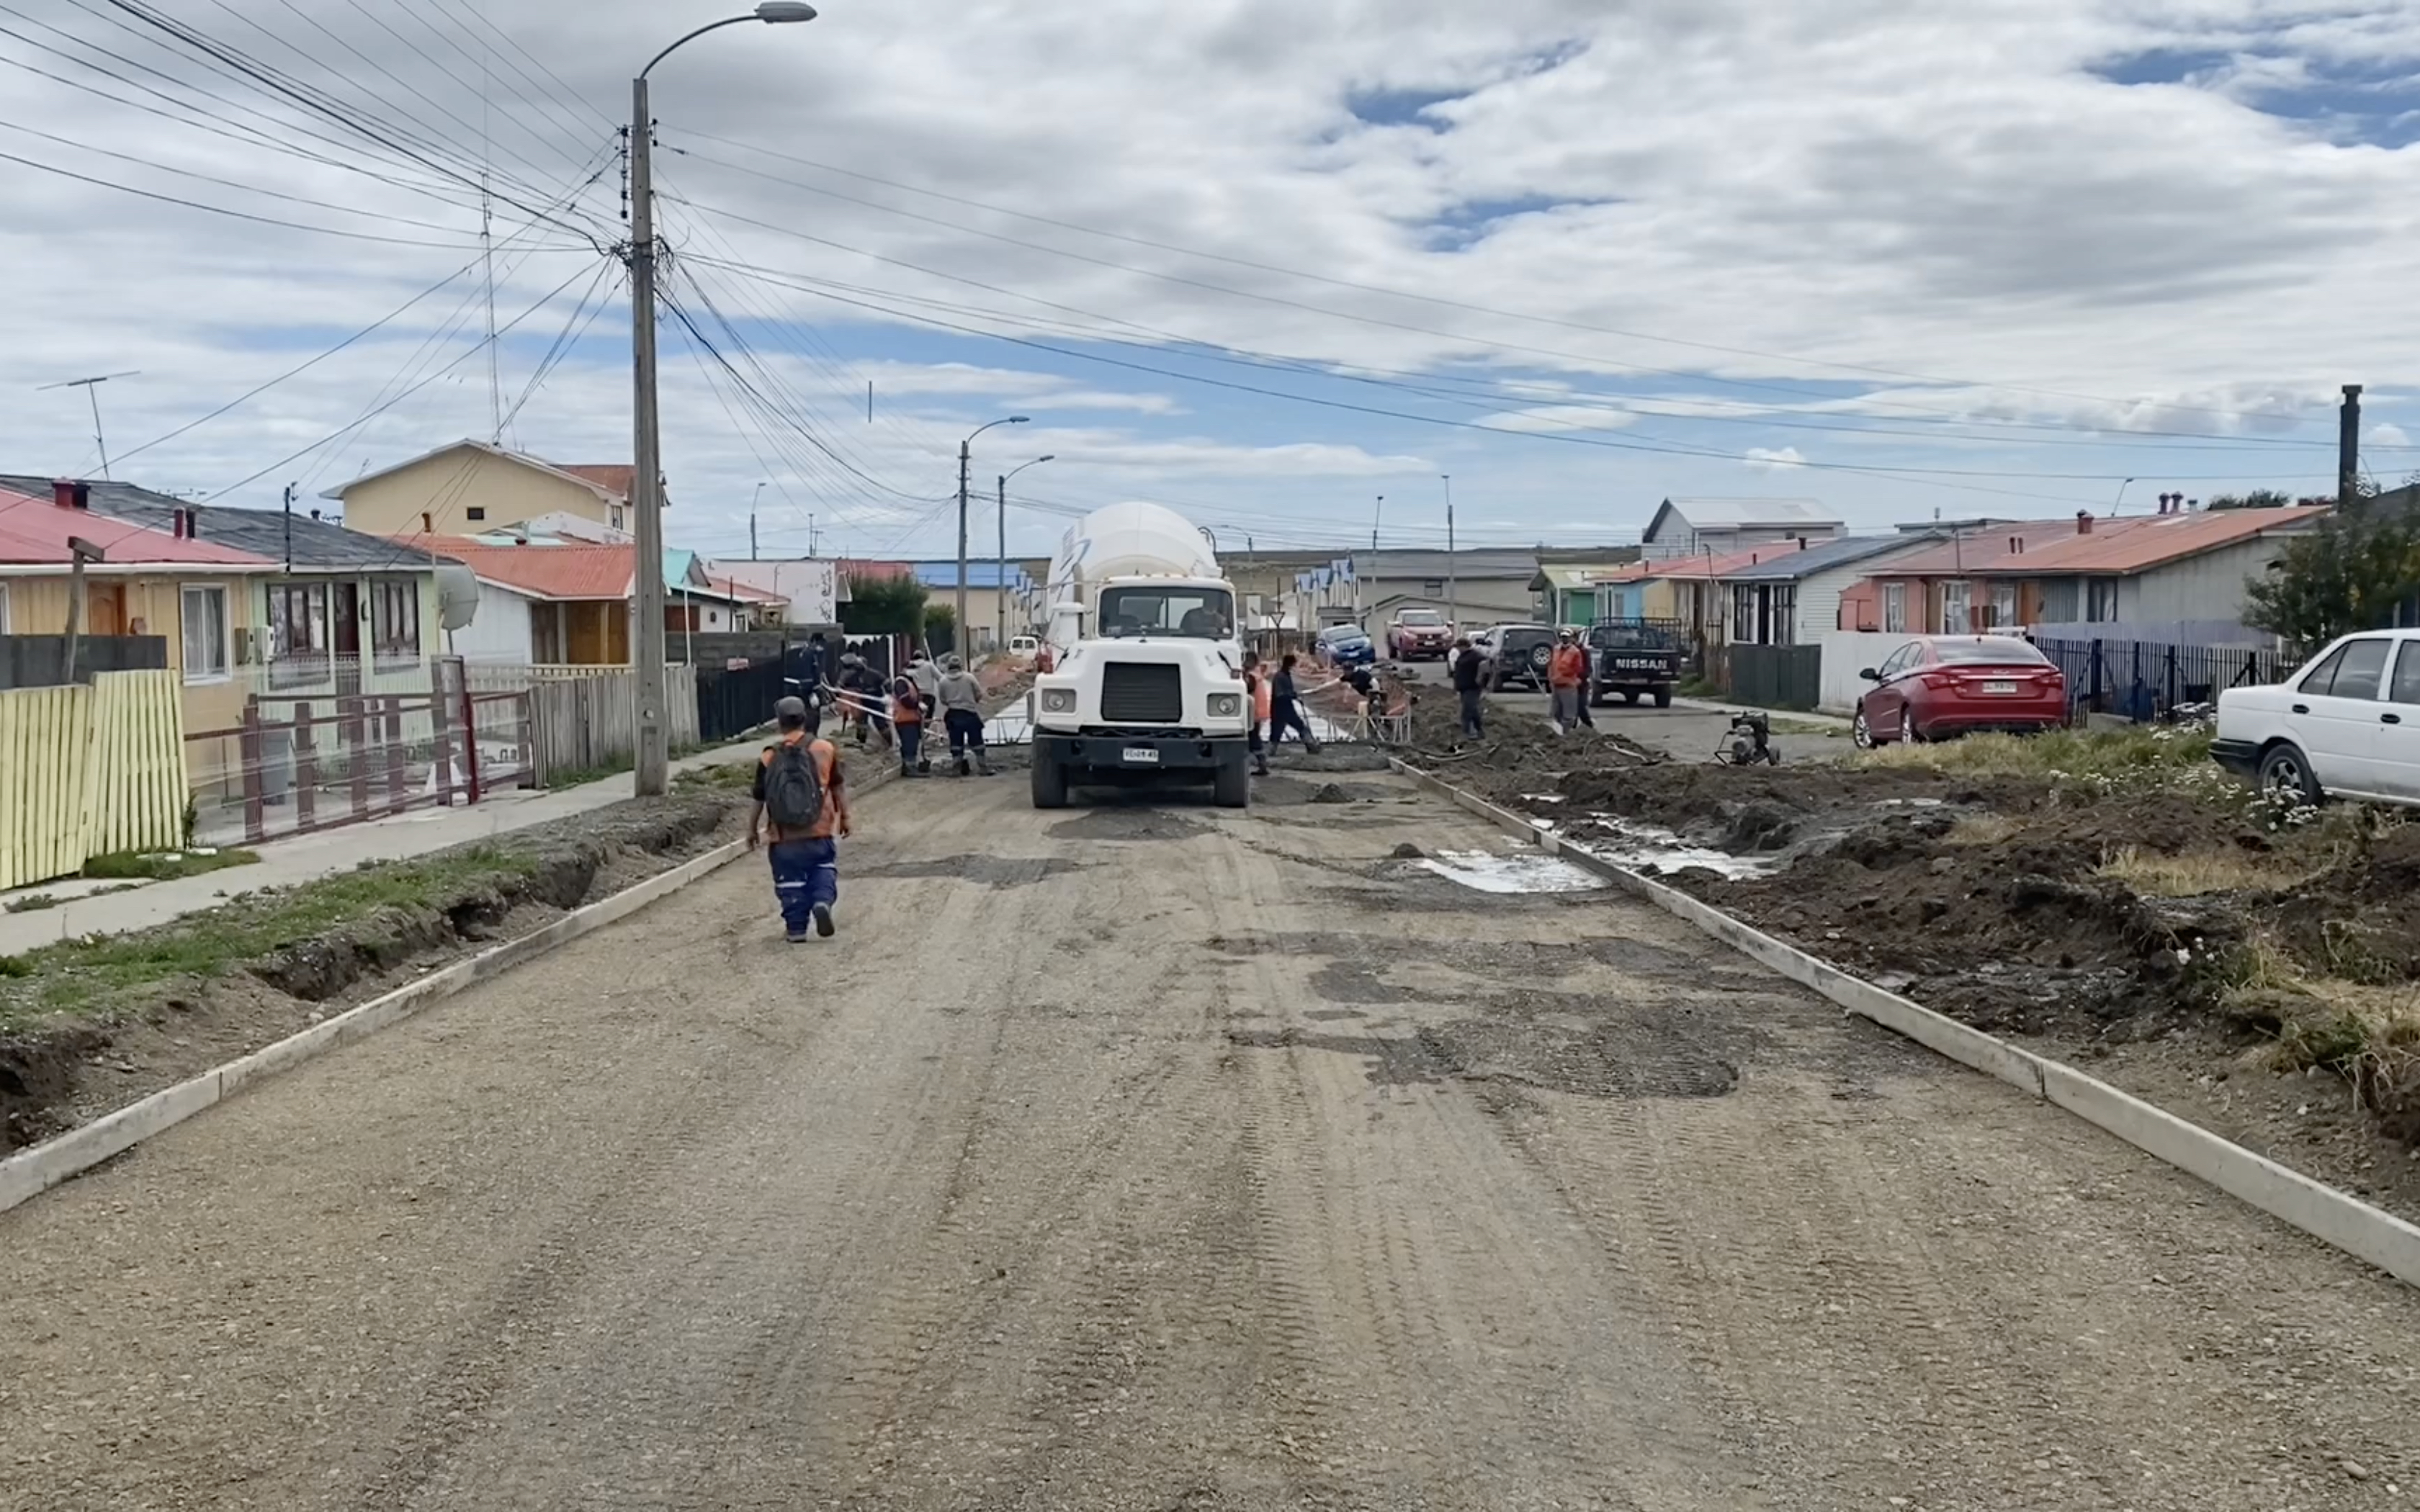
<point x="1137" y="693"/>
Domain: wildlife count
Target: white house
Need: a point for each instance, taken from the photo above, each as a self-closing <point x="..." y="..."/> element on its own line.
<point x="1718" y="527"/>
<point x="1792" y="599"/>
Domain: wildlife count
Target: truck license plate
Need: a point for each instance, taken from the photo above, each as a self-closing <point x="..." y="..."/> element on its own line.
<point x="1143" y="755"/>
<point x="1999" y="687"/>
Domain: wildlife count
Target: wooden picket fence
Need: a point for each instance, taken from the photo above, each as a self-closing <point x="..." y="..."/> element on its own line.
<point x="88" y="771"/>
<point x="581" y="724"/>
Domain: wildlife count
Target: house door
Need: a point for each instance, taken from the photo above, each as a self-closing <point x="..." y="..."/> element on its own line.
<point x="104" y="608"/>
<point x="345" y="634"/>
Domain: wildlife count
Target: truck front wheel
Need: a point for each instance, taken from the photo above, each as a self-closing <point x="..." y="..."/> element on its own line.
<point x="1050" y="783"/>
<point x="1663" y="698"/>
<point x="1232" y="788"/>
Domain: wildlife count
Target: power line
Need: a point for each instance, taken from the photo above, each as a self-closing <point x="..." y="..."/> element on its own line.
<point x="1371" y="288"/>
<point x="343" y="430"/>
<point x="1558" y="436"/>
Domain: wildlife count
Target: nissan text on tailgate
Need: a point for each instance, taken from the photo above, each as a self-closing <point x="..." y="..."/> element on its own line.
<point x="1634" y="659"/>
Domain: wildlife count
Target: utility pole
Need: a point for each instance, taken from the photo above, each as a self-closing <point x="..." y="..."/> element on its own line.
<point x="91" y="386"/>
<point x="654" y="754"/>
<point x="966" y="455"/>
<point x="289" y="528"/>
<point x="653" y="758"/>
<point x="1452" y="587"/>
<point x="1000" y="568"/>
<point x="1375" y="516"/>
<point x="812" y="536"/>
<point x="2347" y="448"/>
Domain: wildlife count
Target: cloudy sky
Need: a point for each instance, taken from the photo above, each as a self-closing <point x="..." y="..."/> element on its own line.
<point x="1266" y="262"/>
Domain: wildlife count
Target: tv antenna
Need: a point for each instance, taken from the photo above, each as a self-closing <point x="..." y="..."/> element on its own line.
<point x="91" y="386"/>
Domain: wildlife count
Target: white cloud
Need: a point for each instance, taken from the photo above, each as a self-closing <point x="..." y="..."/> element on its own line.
<point x="2389" y="434"/>
<point x="1769" y="460"/>
<point x="1950" y="213"/>
<point x="1561" y="417"/>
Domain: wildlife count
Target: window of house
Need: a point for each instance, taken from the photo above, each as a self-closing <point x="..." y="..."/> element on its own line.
<point x="1957" y="608"/>
<point x="1784" y="608"/>
<point x="395" y="620"/>
<point x="297" y="630"/>
<point x="2003" y="605"/>
<point x="476" y="512"/>
<point x="1895" y="608"/>
<point x="1433" y="587"/>
<point x="2100" y="600"/>
<point x="205" y="633"/>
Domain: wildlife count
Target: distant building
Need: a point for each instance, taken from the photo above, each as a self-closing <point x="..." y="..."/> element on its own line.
<point x="2148" y="569"/>
<point x="1480" y="587"/>
<point x="466" y="487"/>
<point x="1719" y="527"/>
<point x="1793" y="598"/>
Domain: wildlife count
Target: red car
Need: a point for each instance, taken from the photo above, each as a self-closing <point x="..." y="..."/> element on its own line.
<point x="1954" y="685"/>
<point x="1418" y="633"/>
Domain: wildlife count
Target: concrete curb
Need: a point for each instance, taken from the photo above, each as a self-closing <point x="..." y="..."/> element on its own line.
<point x="2321" y="1210"/>
<point x="31" y="1172"/>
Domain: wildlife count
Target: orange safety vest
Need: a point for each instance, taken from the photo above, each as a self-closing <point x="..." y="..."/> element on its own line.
<point x="1264" y="697"/>
<point x="1569" y="667"/>
<point x="905" y="704"/>
<point x="827" y="759"/>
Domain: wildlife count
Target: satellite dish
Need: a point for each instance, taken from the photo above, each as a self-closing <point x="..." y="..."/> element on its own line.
<point x="457" y="594"/>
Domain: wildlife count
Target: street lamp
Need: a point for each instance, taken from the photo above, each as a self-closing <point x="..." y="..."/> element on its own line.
<point x="966" y="453"/>
<point x="1001" y="586"/>
<point x="1452" y="589"/>
<point x="653" y="756"/>
<point x="2122" y="499"/>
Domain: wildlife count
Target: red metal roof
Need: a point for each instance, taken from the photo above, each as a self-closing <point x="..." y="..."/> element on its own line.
<point x="2045" y="546"/>
<point x="36" y="530"/>
<point x="618" y="478"/>
<point x="573" y="570"/>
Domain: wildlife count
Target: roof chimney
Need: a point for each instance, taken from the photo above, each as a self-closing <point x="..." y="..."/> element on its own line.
<point x="2084" y="522"/>
<point x="68" y="494"/>
<point x="178" y="527"/>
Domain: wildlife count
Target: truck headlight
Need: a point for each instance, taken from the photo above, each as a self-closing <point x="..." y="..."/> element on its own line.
<point x="1058" y="700"/>
<point x="1226" y="705"/>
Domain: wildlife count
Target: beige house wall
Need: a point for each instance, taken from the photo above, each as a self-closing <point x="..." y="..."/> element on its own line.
<point x="448" y="486"/>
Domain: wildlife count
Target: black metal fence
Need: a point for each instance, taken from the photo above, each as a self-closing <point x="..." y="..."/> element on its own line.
<point x="734" y="700"/>
<point x="2142" y="680"/>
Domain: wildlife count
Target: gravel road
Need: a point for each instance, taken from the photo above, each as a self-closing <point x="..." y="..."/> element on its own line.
<point x="1171" y="1159"/>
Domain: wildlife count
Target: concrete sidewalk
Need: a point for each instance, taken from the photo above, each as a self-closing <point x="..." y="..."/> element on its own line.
<point x="309" y="857"/>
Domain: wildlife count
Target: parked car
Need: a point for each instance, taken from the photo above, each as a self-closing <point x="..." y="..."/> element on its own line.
<point x="1634" y="659"/>
<point x="2346" y="725"/>
<point x="1939" y="685"/>
<point x="1418" y="634"/>
<point x="1514" y="654"/>
<point x="1345" y="645"/>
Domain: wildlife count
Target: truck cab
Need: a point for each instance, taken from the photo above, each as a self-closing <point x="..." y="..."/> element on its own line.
<point x="1150" y="690"/>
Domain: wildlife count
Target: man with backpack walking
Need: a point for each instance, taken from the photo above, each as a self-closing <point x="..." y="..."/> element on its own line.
<point x="798" y="790"/>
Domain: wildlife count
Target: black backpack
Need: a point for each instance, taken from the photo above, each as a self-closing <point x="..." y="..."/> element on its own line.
<point x="794" y="790"/>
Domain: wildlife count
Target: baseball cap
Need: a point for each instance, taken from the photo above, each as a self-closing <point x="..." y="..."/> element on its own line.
<point x="790" y="708"/>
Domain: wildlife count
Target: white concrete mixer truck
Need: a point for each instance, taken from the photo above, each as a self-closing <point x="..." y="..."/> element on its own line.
<point x="1146" y="680"/>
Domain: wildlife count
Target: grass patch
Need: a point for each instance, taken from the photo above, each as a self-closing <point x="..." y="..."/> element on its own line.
<point x="2058" y="753"/>
<point x="735" y="776"/>
<point x="1984" y="829"/>
<point x="618" y="766"/>
<point x="1698" y="687"/>
<point x="33" y="902"/>
<point x="2197" y="874"/>
<point x="165" y="866"/>
<point x="87" y="975"/>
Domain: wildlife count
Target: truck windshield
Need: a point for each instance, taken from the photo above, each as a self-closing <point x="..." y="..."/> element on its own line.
<point x="1195" y="613"/>
<point x="1621" y="636"/>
